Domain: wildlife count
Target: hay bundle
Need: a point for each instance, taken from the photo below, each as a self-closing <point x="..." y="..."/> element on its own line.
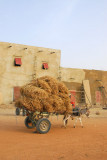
<point x="33" y="91"/>
<point x="53" y="83"/>
<point x="66" y="100"/>
<point x="58" y="104"/>
<point x="29" y="104"/>
<point x="62" y="88"/>
<point x="47" y="105"/>
<point x="42" y="84"/>
<point x="45" y="94"/>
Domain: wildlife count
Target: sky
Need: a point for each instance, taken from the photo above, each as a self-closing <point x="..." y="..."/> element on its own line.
<point x="77" y="27"/>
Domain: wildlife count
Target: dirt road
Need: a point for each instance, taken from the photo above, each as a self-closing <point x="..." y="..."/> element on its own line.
<point x="19" y="143"/>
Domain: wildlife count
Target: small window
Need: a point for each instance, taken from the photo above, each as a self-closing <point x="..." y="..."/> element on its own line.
<point x="17" y="62"/>
<point x="45" y="66"/>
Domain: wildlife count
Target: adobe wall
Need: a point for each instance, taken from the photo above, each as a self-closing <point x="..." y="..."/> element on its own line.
<point x="73" y="79"/>
<point x="96" y="79"/>
<point x="32" y="59"/>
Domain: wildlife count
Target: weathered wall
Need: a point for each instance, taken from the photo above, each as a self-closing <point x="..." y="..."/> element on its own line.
<point x="97" y="79"/>
<point x="32" y="59"/>
<point x="72" y="77"/>
<point x="52" y="57"/>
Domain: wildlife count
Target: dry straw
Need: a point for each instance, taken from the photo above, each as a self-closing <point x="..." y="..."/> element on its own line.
<point x="45" y="94"/>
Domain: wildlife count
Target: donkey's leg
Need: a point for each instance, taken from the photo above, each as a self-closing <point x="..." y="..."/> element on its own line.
<point x="66" y="120"/>
<point x="81" y="122"/>
<point x="75" y="122"/>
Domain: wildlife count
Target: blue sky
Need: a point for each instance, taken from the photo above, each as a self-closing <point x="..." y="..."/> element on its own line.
<point x="77" y="27"/>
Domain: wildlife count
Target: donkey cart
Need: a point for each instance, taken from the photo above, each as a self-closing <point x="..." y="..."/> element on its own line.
<point x="38" y="120"/>
<point x="42" y="123"/>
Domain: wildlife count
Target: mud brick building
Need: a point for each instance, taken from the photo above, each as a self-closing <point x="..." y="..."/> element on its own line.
<point x="19" y="64"/>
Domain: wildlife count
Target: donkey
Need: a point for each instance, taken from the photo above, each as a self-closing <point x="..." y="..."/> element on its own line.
<point x="76" y="112"/>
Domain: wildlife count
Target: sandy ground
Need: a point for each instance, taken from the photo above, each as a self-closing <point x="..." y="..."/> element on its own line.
<point x="19" y="143"/>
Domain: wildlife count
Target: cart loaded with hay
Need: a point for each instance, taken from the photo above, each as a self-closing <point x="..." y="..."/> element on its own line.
<point x="42" y="97"/>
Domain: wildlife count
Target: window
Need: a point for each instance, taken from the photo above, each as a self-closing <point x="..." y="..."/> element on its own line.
<point x="17" y="62"/>
<point x="45" y="66"/>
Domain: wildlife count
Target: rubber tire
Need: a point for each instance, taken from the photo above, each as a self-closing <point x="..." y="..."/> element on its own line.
<point x="17" y="111"/>
<point x="27" y="121"/>
<point x="39" y="123"/>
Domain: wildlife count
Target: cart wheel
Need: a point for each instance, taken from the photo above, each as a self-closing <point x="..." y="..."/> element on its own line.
<point x="17" y="111"/>
<point x="28" y="123"/>
<point x="43" y="125"/>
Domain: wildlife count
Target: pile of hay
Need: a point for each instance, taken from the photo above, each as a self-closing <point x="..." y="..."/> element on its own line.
<point x="45" y="94"/>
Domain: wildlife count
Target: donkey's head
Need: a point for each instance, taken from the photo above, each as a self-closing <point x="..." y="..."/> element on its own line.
<point x="85" y="111"/>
